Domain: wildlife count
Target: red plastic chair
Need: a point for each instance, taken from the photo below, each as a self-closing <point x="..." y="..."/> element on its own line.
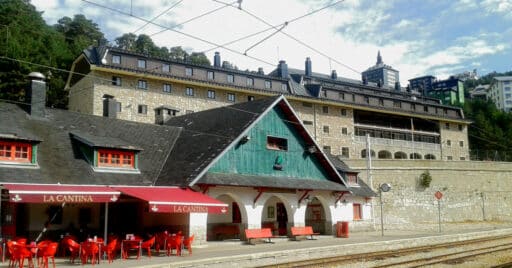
<point x="49" y="252"/>
<point x="38" y="251"/>
<point x="160" y="241"/>
<point x="20" y="253"/>
<point x="10" y="250"/>
<point x="74" y="249"/>
<point x="147" y="245"/>
<point x="89" y="250"/>
<point x="111" y="250"/>
<point x="64" y="244"/>
<point x="174" y="242"/>
<point x="188" y="243"/>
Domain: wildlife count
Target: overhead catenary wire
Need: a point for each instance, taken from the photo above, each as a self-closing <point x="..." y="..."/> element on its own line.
<point x="179" y="32"/>
<point x="158" y="16"/>
<point x="296" y="39"/>
<point x="193" y="18"/>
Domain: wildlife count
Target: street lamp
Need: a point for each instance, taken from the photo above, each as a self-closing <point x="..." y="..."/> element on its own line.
<point x="385" y="187"/>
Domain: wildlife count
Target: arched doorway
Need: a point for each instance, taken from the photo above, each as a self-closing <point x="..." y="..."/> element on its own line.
<point x="315" y="216"/>
<point x="275" y="216"/>
<point x="228" y="225"/>
<point x="384" y="154"/>
<point x="363" y="153"/>
<point x="400" y="155"/>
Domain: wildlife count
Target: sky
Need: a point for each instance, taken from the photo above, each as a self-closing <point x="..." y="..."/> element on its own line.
<point x="417" y="38"/>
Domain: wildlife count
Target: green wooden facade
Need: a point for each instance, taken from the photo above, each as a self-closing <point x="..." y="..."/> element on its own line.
<point x="255" y="158"/>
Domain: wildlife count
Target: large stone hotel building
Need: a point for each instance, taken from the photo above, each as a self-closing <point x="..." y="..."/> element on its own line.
<point x="339" y="113"/>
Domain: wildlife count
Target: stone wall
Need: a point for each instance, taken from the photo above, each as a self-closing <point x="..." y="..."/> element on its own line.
<point x="472" y="191"/>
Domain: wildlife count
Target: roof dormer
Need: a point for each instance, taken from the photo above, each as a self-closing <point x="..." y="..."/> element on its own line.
<point x="108" y="154"/>
<point x="18" y="151"/>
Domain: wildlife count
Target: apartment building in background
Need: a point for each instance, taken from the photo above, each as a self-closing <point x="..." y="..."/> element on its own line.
<point x="501" y="92"/>
<point x="342" y="114"/>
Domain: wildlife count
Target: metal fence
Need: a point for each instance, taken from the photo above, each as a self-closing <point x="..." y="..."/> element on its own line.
<point x="490" y="155"/>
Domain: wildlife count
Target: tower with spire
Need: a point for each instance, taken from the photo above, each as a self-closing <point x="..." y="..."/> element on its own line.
<point x="382" y="75"/>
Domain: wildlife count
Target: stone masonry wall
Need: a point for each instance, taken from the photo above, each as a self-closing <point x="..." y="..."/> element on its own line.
<point x="472" y="191"/>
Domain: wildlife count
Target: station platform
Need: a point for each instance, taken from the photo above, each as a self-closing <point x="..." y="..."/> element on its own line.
<point x="236" y="253"/>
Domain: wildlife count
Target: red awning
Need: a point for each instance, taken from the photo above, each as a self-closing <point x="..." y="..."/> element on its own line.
<point x="174" y="199"/>
<point x="60" y="193"/>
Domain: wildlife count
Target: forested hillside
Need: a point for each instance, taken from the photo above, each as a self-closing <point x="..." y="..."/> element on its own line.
<point x="28" y="44"/>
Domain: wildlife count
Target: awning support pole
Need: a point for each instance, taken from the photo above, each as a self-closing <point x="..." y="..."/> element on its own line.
<point x="105" y="231"/>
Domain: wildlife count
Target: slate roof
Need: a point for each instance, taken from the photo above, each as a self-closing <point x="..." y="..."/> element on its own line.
<point x="270" y="181"/>
<point x="59" y="157"/>
<point x="207" y="134"/>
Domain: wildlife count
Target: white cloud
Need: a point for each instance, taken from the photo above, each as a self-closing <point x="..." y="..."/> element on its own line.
<point x="498" y="6"/>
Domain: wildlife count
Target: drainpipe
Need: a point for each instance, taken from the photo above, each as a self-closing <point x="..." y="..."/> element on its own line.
<point x="314" y="121"/>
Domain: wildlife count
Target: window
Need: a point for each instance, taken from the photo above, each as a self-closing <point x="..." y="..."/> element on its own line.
<point x="116" y="81"/>
<point x="167" y="88"/>
<point x="343" y="112"/>
<point x="357" y="211"/>
<point x="116" y="59"/>
<point x="461" y="127"/>
<point x="189" y="91"/>
<point x="461" y="143"/>
<point x="413" y="106"/>
<point x="231" y="78"/>
<point x="344" y="131"/>
<point x="425" y="108"/>
<point x="462" y="158"/>
<point x="367" y="100"/>
<point x="210" y="75"/>
<point x="142" y="84"/>
<point x="397" y="104"/>
<point x="211" y="94"/>
<point x="326" y="129"/>
<point x="114" y="158"/>
<point x="231" y="97"/>
<point x="327" y="149"/>
<point x="250" y="98"/>
<point x="447" y="125"/>
<point x="275" y="143"/>
<point x="448" y="143"/>
<point x="143" y="109"/>
<point x="341" y="95"/>
<point x="189" y="71"/>
<point x="449" y="157"/>
<point x="284" y="86"/>
<point x="352" y="179"/>
<point x="307" y="104"/>
<point x="307" y="123"/>
<point x="268" y="84"/>
<point x="344" y="152"/>
<point x="141" y="63"/>
<point x="119" y="107"/>
<point x="381" y="102"/>
<point x="324" y="93"/>
<point x="325" y="109"/>
<point x="250" y="81"/>
<point x="15" y="152"/>
<point x="166" y="68"/>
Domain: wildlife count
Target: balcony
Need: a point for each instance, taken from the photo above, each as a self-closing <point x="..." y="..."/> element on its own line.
<point x="399" y="143"/>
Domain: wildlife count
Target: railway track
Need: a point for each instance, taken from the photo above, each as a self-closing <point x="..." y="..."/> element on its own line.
<point x="453" y="253"/>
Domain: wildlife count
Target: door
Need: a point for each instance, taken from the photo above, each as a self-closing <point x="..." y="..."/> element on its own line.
<point x="282" y="219"/>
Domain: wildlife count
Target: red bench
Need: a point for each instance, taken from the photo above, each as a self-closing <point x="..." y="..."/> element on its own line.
<point x="303" y="231"/>
<point x="263" y="233"/>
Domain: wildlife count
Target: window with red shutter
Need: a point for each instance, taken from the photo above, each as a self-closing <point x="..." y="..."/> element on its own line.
<point x="15" y="152"/>
<point x="113" y="158"/>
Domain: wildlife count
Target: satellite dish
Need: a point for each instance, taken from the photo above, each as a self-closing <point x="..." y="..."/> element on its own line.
<point x="385" y="187"/>
<point x="104" y="61"/>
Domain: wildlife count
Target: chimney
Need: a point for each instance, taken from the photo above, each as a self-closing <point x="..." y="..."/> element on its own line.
<point x="216" y="60"/>
<point x="164" y="113"/>
<point x="36" y="94"/>
<point x="109" y="106"/>
<point x="334" y="75"/>
<point x="260" y="71"/>
<point x="308" y="69"/>
<point x="282" y="69"/>
<point x="365" y="80"/>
